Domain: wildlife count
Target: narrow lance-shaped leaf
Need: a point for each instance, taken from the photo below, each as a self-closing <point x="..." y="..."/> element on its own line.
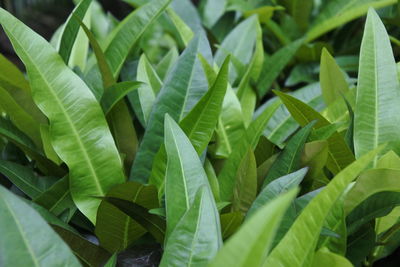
<point x="289" y="159"/>
<point x="196" y="238"/>
<point x="376" y="116"/>
<point x="302" y="237"/>
<point x="338" y="12"/>
<point x="199" y="124"/>
<point x="275" y="188"/>
<point x="27" y="240"/>
<point x="339" y="154"/>
<point x="171" y="99"/>
<point x="251" y="244"/>
<point x="71" y="29"/>
<point x="184" y="175"/>
<point x="253" y="133"/>
<point x="76" y="119"/>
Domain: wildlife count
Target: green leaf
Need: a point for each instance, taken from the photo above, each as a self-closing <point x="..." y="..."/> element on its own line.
<point x="27" y="240"/>
<point x="378" y="96"/>
<point x="302" y="237"/>
<point x="250" y="139"/>
<point x="25" y="178"/>
<point x="184" y="175"/>
<point x="211" y="11"/>
<point x="372" y="182"/>
<point x="112" y="262"/>
<point x="71" y="29"/>
<point x="116" y="93"/>
<point x="152" y="223"/>
<point x="115" y="229"/>
<point x="142" y="101"/>
<point x="239" y="44"/>
<point x="289" y="159"/>
<point x="57" y="199"/>
<point x="251" y="244"/>
<point x="230" y="223"/>
<point x="166" y="63"/>
<point x="282" y="125"/>
<point x="339" y="12"/>
<point x="245" y="190"/>
<point x="172" y="99"/>
<point x="20" y="118"/>
<point x="333" y="82"/>
<point x="276" y="188"/>
<point x="184" y="30"/>
<point x="198" y="125"/>
<point x="196" y="238"/>
<point x="87" y="252"/>
<point x="300" y="11"/>
<point x="69" y="106"/>
<point x="128" y="32"/>
<point x="339" y="154"/>
<point x="274" y="65"/>
<point x="324" y="257"/>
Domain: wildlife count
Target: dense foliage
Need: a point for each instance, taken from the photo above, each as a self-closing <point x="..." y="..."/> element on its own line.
<point x="232" y="133"/>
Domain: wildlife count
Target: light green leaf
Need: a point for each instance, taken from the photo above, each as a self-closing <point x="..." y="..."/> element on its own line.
<point x="196" y="238"/>
<point x="184" y="30"/>
<point x="68" y="103"/>
<point x="211" y="11"/>
<point x="250" y="139"/>
<point x="230" y="223"/>
<point x="184" y="175"/>
<point x="71" y="29"/>
<point x="251" y="244"/>
<point x="27" y="240"/>
<point x="324" y="257"/>
<point x="339" y="12"/>
<point x="166" y="63"/>
<point x="376" y="119"/>
<point x="302" y="237"/>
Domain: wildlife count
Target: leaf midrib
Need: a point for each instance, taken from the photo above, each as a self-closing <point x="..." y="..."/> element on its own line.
<point x="68" y="119"/>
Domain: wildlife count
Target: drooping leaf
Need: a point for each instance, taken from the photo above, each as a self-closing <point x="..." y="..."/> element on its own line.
<point x="25" y="178"/>
<point x="115" y="229"/>
<point x="83" y="249"/>
<point x="27" y="240"/>
<point x="196" y="238"/>
<point x="324" y="257"/>
<point x="338" y="12"/>
<point x="302" y="237"/>
<point x="57" y="199"/>
<point x="71" y="29"/>
<point x="340" y="154"/>
<point x="289" y="159"/>
<point x="93" y="169"/>
<point x="378" y="95"/>
<point x="152" y="223"/>
<point x="276" y="188"/>
<point x="251" y="244"/>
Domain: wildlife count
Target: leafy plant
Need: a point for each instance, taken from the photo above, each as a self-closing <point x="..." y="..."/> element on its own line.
<point x="160" y="131"/>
